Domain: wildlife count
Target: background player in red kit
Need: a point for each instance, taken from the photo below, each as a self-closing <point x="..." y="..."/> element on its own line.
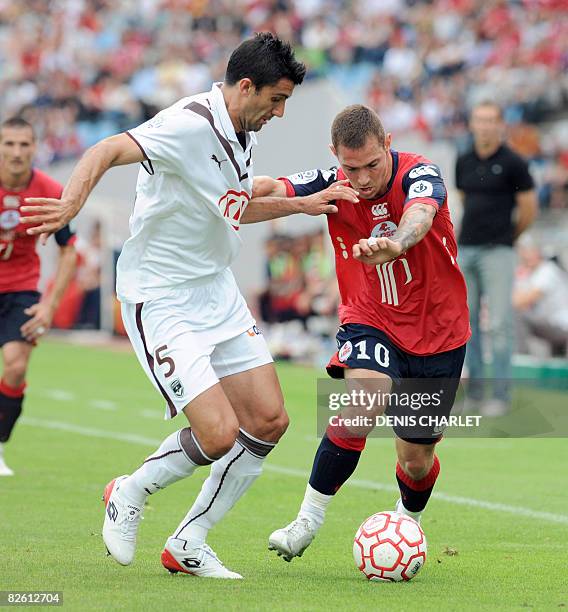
<point x="403" y="309"/>
<point x="23" y="316"/>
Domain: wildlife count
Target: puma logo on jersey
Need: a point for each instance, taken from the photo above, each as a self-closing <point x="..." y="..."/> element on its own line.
<point x="218" y="161"/>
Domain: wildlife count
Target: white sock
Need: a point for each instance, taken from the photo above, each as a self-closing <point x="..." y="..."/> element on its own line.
<point x="314" y="506"/>
<point x="413" y="515"/>
<point x="177" y="457"/>
<point x="229" y="479"/>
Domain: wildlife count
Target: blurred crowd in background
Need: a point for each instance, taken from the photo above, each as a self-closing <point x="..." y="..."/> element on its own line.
<point x="300" y="295"/>
<point x="80" y="70"/>
<point x="84" y="69"/>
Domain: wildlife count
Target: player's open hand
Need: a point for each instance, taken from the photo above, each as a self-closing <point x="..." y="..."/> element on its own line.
<point x="47" y="215"/>
<point x="41" y="317"/>
<point x="320" y="203"/>
<point x="374" y="251"/>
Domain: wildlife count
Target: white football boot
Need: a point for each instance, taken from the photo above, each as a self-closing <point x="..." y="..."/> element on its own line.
<point x="122" y="520"/>
<point x="4" y="469"/>
<point x="402" y="510"/>
<point x="291" y="541"/>
<point x="179" y="556"/>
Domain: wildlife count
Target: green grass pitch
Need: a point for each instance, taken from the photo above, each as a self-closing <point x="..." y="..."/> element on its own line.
<point x="90" y="415"/>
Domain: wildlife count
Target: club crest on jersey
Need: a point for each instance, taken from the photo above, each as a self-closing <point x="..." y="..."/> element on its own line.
<point x="423" y="171"/>
<point x="11" y="201"/>
<point x="380" y="210"/>
<point x="232" y="205"/>
<point x="345" y="351"/>
<point x="384" y="230"/>
<point x="9" y="219"/>
<point x="177" y="387"/>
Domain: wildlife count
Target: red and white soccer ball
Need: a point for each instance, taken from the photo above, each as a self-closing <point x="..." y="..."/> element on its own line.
<point x="389" y="547"/>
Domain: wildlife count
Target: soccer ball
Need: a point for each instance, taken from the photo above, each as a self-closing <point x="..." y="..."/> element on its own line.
<point x="390" y="547"/>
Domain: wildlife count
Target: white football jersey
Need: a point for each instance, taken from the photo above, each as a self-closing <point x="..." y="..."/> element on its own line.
<point x="189" y="201"/>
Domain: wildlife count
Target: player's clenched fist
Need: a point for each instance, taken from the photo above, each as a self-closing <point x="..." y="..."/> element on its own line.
<point x="373" y="251"/>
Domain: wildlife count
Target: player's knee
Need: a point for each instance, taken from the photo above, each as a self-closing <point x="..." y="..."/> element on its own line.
<point x="279" y="425"/>
<point x="417" y="467"/>
<point x="219" y="439"/>
<point x="273" y="427"/>
<point x="14" y="373"/>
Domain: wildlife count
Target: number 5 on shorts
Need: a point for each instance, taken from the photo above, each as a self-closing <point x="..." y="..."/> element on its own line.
<point x="161" y="360"/>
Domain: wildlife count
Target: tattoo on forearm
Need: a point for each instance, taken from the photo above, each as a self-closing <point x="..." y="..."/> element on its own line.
<point x="415" y="223"/>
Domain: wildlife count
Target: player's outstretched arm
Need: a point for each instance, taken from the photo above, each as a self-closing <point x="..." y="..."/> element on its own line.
<point x="270" y="201"/>
<point x="414" y="225"/>
<point x="47" y="215"/>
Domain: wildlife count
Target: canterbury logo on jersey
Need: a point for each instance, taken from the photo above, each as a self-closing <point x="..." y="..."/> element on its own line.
<point x="424" y="170"/>
<point x="387" y="280"/>
<point x="380" y="210"/>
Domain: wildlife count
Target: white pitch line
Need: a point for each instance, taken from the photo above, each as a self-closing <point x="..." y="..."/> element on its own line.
<point x="90" y="432"/>
<point x="102" y="404"/>
<point x="59" y="395"/>
<point x="65" y="396"/>
<point x="150" y="414"/>
<point x="360" y="484"/>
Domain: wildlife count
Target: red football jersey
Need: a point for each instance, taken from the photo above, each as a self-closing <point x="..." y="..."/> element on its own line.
<point x="419" y="299"/>
<point x="19" y="261"/>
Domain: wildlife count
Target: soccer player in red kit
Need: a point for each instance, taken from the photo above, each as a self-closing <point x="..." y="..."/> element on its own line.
<point x="403" y="310"/>
<point x="24" y="317"/>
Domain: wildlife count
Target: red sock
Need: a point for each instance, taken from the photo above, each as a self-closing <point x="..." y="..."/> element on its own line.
<point x="11" y="399"/>
<point x="341" y="437"/>
<point x="13" y="392"/>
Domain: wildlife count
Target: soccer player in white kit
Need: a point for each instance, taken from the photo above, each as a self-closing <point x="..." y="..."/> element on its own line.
<point x="188" y="323"/>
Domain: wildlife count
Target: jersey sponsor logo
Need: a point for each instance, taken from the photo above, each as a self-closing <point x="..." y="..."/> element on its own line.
<point x="9" y="219"/>
<point x="497" y="169"/>
<point x="420" y="189"/>
<point x="384" y="229"/>
<point x="232" y="206"/>
<point x="423" y="171"/>
<point x="11" y="201"/>
<point x="380" y="210"/>
<point x="345" y="351"/>
<point x="303" y="178"/>
<point x="254" y="331"/>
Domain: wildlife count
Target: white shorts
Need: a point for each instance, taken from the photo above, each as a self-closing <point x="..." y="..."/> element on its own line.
<point x="192" y="337"/>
